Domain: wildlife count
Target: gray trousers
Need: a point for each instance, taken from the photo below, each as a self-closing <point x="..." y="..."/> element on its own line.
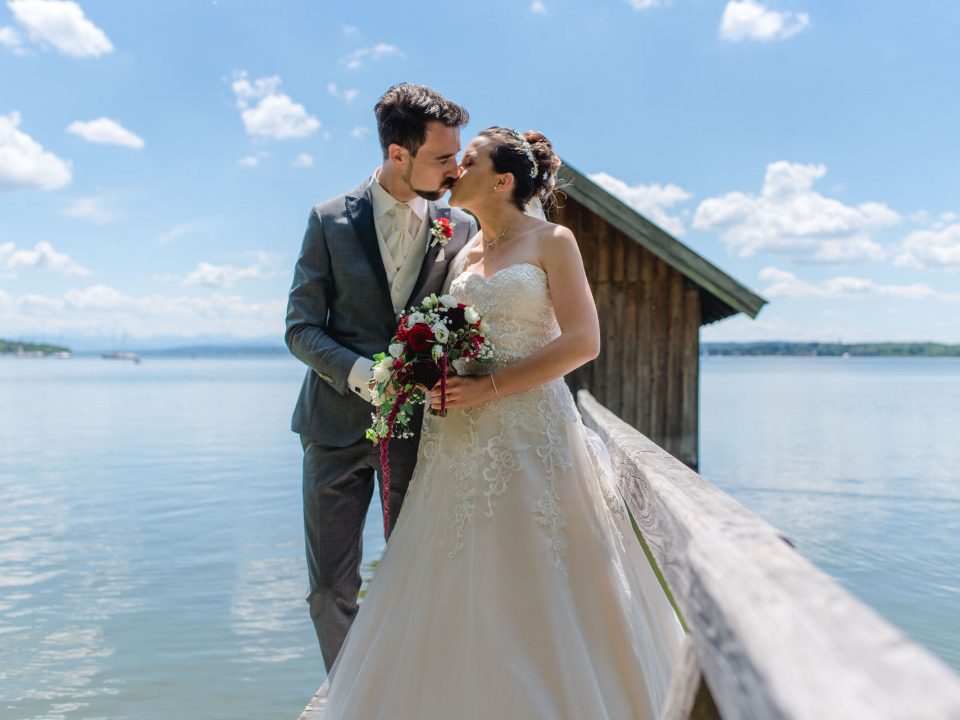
<point x="338" y="484"/>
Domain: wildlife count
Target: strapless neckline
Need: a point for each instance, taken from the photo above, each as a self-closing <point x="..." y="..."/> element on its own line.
<point x="504" y="269"/>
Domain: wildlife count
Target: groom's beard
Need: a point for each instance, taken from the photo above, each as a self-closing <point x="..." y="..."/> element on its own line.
<point x="430" y="194"/>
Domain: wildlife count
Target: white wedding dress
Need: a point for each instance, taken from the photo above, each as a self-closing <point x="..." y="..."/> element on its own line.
<point x="513" y="585"/>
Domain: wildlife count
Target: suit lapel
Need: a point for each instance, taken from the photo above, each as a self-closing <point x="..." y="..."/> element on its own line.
<point x="360" y="211"/>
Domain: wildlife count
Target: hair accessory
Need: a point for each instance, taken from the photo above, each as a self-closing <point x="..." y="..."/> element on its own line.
<point x="528" y="151"/>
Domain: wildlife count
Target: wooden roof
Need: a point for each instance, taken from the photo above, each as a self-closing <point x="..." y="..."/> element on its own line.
<point x="722" y="295"/>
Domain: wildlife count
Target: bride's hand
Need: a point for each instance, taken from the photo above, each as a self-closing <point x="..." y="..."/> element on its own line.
<point x="464" y="391"/>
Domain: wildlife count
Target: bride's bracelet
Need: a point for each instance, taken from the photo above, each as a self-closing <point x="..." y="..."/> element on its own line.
<point x="495" y="386"/>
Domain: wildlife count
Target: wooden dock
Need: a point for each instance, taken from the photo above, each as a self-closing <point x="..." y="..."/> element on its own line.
<point x="770" y="636"/>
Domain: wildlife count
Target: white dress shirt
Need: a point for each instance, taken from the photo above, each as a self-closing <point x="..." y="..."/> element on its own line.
<point x="402" y="235"/>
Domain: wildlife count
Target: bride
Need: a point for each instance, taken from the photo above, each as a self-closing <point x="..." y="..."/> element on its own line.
<point x="513" y="585"/>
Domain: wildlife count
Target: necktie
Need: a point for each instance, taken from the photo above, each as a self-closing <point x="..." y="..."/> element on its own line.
<point x="400" y="240"/>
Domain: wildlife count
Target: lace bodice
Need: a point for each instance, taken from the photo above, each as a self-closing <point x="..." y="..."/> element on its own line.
<point x="515" y="302"/>
<point x="525" y="435"/>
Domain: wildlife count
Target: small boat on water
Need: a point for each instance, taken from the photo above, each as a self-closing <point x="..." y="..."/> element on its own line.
<point x="121" y="355"/>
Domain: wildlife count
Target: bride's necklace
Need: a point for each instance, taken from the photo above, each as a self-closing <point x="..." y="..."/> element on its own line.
<point x="496" y="239"/>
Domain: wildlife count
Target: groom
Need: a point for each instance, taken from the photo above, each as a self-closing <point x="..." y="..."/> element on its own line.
<point x="366" y="255"/>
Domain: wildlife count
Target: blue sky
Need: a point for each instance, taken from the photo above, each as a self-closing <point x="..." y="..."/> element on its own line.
<point x="158" y="159"/>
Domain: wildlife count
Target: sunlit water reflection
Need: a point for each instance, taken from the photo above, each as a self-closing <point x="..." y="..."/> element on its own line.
<point x="151" y="549"/>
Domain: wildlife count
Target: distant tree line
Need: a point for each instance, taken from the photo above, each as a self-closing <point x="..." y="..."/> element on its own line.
<point x="887" y="349"/>
<point x="12" y="346"/>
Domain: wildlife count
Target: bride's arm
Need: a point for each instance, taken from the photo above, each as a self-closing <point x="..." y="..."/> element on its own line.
<point x="578" y="342"/>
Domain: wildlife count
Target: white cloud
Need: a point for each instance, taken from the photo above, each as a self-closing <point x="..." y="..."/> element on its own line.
<point x="356" y="59"/>
<point x="62" y="25"/>
<point x="303" y="160"/>
<point x="91" y="309"/>
<point x="91" y="208"/>
<point x="644" y="4"/>
<point x="268" y="113"/>
<point x="749" y="20"/>
<point x="538" y="7"/>
<point x="935" y="248"/>
<point x="359" y="132"/>
<point x="223" y="276"/>
<point x="253" y="160"/>
<point x="180" y="230"/>
<point x="96" y="297"/>
<point x="39" y="304"/>
<point x="105" y="131"/>
<point x="651" y="200"/>
<point x="12" y="41"/>
<point x="787" y="284"/>
<point x="789" y="218"/>
<point x="350" y="30"/>
<point x="24" y="163"/>
<point x="348" y="95"/>
<point x="42" y="257"/>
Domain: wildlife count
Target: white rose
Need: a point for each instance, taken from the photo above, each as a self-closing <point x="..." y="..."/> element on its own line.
<point x="382" y="370"/>
<point x="449" y="301"/>
<point x="440" y="332"/>
<point x="430" y="301"/>
<point x="396" y="349"/>
<point x="414" y="318"/>
<point x="436" y="352"/>
<point x="470" y="315"/>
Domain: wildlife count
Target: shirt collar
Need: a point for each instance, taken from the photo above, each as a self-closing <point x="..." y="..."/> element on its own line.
<point x="383" y="201"/>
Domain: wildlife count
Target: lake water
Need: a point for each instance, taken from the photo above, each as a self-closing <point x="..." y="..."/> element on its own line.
<point x="151" y="550"/>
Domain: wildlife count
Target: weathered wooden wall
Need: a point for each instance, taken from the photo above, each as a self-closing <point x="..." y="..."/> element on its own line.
<point x="648" y="368"/>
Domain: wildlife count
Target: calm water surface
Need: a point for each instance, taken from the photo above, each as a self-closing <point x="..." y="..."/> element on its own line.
<point x="151" y="551"/>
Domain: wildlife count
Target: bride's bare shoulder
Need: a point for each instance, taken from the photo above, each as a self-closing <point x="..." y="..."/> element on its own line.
<point x="552" y="237"/>
<point x="558" y="251"/>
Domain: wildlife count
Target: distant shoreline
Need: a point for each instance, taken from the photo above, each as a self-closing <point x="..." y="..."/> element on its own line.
<point x="723" y="349"/>
<point x="9" y="347"/>
<point x="814" y="349"/>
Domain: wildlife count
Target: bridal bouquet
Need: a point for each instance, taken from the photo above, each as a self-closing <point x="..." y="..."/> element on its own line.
<point x="429" y="338"/>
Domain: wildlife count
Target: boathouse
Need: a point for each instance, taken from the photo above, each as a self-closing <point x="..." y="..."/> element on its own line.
<point x="653" y="295"/>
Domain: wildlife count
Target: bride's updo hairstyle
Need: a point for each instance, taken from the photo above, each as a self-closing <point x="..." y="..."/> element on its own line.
<point x="530" y="159"/>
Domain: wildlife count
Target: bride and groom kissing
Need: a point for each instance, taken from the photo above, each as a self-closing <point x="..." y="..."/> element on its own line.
<point x="512" y="584"/>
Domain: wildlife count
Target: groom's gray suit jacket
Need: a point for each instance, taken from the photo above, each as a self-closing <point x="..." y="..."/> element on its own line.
<point x="340" y="308"/>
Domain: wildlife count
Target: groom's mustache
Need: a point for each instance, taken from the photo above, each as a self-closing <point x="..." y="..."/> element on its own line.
<point x="449" y="183"/>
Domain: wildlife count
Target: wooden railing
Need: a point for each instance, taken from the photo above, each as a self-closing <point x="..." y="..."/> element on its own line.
<point x="769" y="635"/>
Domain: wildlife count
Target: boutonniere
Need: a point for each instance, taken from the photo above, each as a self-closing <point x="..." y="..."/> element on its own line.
<point x="442" y="231"/>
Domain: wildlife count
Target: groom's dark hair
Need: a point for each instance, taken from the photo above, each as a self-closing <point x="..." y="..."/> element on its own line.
<point x="404" y="111"/>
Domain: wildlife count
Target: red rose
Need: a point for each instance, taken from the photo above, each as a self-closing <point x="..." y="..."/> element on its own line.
<point x="419" y="336"/>
<point x="402" y="329"/>
<point x="445" y="227"/>
<point x="397" y="364"/>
